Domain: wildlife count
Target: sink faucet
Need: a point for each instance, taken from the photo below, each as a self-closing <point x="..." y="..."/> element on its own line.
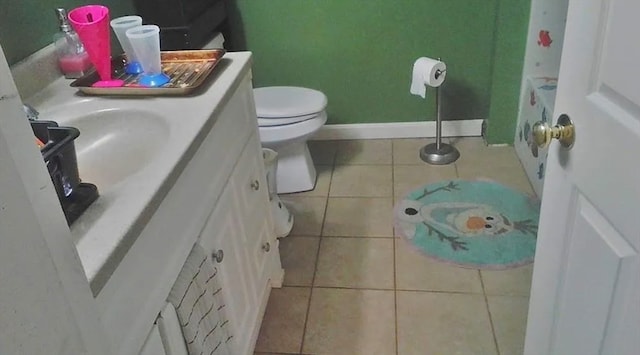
<point x="32" y="113"/>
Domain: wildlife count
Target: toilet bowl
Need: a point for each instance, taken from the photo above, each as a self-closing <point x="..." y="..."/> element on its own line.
<point x="287" y="117"/>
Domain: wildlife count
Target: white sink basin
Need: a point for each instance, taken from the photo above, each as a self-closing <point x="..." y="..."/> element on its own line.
<point x="133" y="149"/>
<point x="115" y="143"/>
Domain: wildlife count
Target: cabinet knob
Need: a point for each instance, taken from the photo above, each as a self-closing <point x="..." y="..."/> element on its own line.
<point x="255" y="184"/>
<point x="218" y="255"/>
<point x="266" y="247"/>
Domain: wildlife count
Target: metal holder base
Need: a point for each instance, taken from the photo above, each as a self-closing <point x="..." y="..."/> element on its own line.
<point x="447" y="154"/>
<point x="439" y="153"/>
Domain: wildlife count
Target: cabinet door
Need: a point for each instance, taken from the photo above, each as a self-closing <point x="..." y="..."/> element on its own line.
<point x="153" y="344"/>
<point x="138" y="288"/>
<point x="223" y="238"/>
<point x="249" y="178"/>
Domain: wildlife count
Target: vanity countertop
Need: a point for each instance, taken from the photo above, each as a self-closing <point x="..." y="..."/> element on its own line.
<point x="108" y="229"/>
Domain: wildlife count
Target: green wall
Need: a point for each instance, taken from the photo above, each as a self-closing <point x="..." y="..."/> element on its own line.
<point x="28" y="25"/>
<point x="360" y="53"/>
<point x="512" y="25"/>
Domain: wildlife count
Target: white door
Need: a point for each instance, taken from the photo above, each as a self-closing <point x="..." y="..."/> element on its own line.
<point x="585" y="296"/>
<point x="46" y="305"/>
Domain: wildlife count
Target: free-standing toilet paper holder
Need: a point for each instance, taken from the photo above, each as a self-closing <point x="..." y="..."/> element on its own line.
<point x="439" y="153"/>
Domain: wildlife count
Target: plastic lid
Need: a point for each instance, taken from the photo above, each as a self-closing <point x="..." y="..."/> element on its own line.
<point x="288" y="101"/>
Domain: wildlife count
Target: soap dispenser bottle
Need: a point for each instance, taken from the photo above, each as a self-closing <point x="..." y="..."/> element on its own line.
<point x="73" y="60"/>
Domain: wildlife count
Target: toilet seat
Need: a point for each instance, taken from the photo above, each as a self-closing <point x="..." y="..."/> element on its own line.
<point x="273" y="121"/>
<point x="285" y="105"/>
<point x="275" y="136"/>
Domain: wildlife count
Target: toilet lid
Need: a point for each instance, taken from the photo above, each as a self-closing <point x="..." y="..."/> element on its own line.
<point x="280" y="102"/>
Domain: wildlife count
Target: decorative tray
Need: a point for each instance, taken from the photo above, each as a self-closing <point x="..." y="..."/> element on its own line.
<point x="187" y="70"/>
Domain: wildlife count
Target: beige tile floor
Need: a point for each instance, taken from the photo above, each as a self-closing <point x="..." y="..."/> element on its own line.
<point x="352" y="288"/>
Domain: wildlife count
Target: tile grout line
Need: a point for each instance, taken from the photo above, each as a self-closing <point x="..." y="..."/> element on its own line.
<point x="362" y="196"/>
<point x="335" y="236"/>
<point x="486" y="302"/>
<point x="440" y="291"/>
<point x="315" y="269"/>
<point x="353" y="237"/>
<point x="353" y="288"/>
<point x="525" y="173"/>
<point x="398" y="289"/>
<point x="455" y="163"/>
<point x="367" y="164"/>
<point x="393" y="233"/>
<point x="455" y="168"/>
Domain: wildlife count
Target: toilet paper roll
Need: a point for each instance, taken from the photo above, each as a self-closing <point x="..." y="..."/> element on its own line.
<point x="427" y="72"/>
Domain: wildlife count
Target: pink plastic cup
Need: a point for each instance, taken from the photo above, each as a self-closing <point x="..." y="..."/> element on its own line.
<point x="91" y="22"/>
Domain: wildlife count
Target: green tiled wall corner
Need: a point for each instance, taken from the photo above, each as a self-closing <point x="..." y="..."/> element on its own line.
<point x="511" y="34"/>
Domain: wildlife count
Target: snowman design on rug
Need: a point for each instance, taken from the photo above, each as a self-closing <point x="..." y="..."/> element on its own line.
<point x="453" y="222"/>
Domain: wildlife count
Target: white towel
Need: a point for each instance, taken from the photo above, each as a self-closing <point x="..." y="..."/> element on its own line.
<point x="197" y="298"/>
<point x="171" y="331"/>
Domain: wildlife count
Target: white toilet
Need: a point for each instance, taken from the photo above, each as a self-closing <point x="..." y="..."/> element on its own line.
<point x="287" y="117"/>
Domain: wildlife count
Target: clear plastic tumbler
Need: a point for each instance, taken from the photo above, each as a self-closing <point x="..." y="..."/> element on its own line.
<point x="120" y="26"/>
<point x="145" y="41"/>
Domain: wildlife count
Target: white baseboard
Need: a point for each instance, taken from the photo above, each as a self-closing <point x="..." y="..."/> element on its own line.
<point x="461" y="128"/>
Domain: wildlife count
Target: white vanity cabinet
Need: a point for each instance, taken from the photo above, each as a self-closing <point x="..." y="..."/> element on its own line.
<point x="239" y="236"/>
<point x="220" y="200"/>
<point x="153" y="345"/>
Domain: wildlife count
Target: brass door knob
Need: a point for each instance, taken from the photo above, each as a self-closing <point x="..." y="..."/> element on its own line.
<point x="564" y="131"/>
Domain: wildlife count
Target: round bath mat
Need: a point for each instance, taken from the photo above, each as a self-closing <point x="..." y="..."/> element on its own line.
<point x="474" y="224"/>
